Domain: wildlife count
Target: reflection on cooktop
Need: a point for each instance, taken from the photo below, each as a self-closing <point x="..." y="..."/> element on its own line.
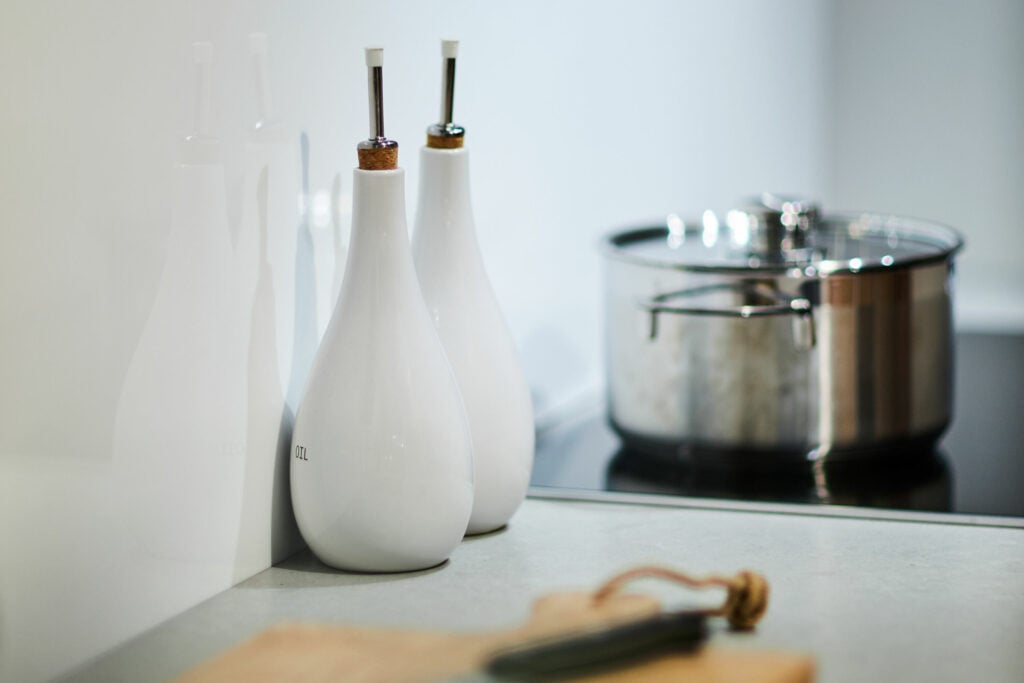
<point x="917" y="482"/>
<point x="978" y="468"/>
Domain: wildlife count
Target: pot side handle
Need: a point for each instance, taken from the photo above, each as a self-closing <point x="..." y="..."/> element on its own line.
<point x="770" y="302"/>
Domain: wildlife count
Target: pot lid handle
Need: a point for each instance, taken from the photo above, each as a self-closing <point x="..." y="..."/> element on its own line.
<point x="783" y="223"/>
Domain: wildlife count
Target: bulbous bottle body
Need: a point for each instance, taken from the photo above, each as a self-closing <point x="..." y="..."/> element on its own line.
<point x="477" y="341"/>
<point x="381" y="462"/>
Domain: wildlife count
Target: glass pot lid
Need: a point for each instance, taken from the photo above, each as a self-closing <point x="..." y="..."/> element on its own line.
<point x="780" y="234"/>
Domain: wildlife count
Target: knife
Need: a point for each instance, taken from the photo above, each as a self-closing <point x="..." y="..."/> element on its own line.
<point x="594" y="651"/>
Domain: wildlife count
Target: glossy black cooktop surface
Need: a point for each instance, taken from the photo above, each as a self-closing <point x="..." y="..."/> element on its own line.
<point x="975" y="474"/>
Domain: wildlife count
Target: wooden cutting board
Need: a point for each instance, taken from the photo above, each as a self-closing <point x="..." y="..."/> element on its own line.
<point x="330" y="653"/>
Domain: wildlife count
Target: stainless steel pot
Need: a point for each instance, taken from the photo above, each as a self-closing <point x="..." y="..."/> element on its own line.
<point x="780" y="332"/>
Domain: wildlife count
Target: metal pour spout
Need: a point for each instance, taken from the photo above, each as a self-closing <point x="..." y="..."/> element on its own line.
<point x="446" y="134"/>
<point x="377" y="153"/>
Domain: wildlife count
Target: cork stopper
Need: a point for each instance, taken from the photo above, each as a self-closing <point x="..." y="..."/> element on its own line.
<point x="377" y="153"/>
<point x="445" y="141"/>
<point x="447" y="135"/>
<point x="378" y="158"/>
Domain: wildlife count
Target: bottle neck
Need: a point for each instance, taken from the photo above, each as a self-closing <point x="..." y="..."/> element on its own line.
<point x="378" y="212"/>
<point x="444" y="210"/>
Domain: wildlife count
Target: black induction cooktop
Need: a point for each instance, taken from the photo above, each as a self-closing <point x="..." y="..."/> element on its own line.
<point x="975" y="475"/>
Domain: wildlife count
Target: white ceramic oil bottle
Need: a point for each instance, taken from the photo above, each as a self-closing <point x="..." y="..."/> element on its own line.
<point x="479" y="345"/>
<point x="381" y="463"/>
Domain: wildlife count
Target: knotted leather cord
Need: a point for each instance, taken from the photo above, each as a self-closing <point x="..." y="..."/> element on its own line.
<point x="746" y="597"/>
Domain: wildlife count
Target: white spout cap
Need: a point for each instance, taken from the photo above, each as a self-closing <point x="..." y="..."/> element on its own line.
<point x="449" y="49"/>
<point x="374" y="56"/>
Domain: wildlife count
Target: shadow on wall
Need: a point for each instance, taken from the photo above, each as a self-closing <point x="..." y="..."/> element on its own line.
<point x="305" y="293"/>
<point x="269" y="426"/>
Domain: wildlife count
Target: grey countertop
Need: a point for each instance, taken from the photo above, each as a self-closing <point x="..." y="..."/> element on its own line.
<point x="871" y="600"/>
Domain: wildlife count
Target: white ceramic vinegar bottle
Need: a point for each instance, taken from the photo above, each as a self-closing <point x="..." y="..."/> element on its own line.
<point x="479" y="346"/>
<point x="381" y="463"/>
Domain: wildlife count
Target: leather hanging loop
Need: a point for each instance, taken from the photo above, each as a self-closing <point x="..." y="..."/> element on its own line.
<point x="746" y="598"/>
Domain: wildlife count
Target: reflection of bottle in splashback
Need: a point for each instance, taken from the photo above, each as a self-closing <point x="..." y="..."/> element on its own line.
<point x="381" y="464"/>
<point x="479" y="346"/>
<point x="180" y="432"/>
<point x="270" y="149"/>
<point x="265" y="257"/>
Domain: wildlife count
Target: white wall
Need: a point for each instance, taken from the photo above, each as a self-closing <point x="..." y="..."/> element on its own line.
<point x="147" y="344"/>
<point x="928" y="101"/>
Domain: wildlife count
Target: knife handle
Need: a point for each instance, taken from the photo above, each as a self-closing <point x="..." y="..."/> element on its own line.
<point x="667" y="632"/>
